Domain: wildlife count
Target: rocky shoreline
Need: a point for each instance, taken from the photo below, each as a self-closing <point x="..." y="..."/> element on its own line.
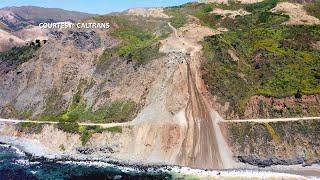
<point x="249" y="171"/>
<point x="87" y="160"/>
<point x="272" y="161"/>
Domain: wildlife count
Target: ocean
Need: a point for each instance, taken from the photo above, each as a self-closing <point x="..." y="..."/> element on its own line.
<point x="15" y="165"/>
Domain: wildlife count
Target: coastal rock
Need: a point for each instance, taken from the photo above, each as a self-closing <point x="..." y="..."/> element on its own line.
<point x="257" y="161"/>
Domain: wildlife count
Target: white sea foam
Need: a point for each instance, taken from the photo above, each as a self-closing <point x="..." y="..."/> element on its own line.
<point x="25" y="162"/>
<point x="34" y="172"/>
<point x="17" y="150"/>
<point x="196" y="172"/>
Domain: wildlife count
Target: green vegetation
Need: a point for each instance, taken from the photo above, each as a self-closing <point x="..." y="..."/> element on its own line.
<point x="117" y="111"/>
<point x="275" y="137"/>
<point x="69" y="127"/>
<point x="298" y="109"/>
<point x="85" y="132"/>
<point x="62" y="148"/>
<point x="268" y="139"/>
<point x="274" y="60"/>
<point x="54" y="107"/>
<point x="30" y="128"/>
<point x="134" y="37"/>
<point x="115" y="129"/>
<point x="313" y="8"/>
<point x="242" y="134"/>
<point x="139" y="40"/>
<point x="12" y="112"/>
<point x="18" y="55"/>
<point x="201" y="11"/>
<point x="262" y="6"/>
<point x="178" y="19"/>
<point x="53" y="104"/>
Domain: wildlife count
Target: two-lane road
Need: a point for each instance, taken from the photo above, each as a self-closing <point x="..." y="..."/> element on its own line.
<point x="107" y="125"/>
<point x="104" y="125"/>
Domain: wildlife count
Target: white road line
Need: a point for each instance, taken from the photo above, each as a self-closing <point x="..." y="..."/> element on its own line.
<point x="105" y="125"/>
<point x="272" y="119"/>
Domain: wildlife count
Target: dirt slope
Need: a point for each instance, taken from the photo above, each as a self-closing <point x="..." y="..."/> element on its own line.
<point x="8" y="41"/>
<point x="31" y="33"/>
<point x="298" y="15"/>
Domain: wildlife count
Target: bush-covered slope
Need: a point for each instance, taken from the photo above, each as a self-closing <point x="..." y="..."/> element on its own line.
<point x="260" y="56"/>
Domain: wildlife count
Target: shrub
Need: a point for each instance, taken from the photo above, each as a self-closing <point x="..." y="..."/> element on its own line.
<point x="261" y="6"/>
<point x="85" y="137"/>
<point x="30" y="128"/>
<point x="117" y="111"/>
<point x="115" y="129"/>
<point x="62" y="148"/>
<point x="87" y="131"/>
<point x="18" y="55"/>
<point x="313" y="8"/>
<point x="68" y="127"/>
<point x="207" y="8"/>
<point x="178" y="18"/>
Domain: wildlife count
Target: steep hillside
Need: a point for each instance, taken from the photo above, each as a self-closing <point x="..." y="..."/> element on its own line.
<point x="267" y="144"/>
<point x="8" y="41"/>
<point x="266" y="64"/>
<point x="162" y="80"/>
<point x="32" y="33"/>
<point x="128" y="73"/>
<point x="84" y="89"/>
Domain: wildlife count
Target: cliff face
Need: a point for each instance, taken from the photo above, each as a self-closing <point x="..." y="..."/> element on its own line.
<point x="56" y="67"/>
<point x="276" y="143"/>
<point x="294" y="106"/>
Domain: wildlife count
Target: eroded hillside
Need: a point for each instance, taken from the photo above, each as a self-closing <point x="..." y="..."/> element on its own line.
<point x="170" y="75"/>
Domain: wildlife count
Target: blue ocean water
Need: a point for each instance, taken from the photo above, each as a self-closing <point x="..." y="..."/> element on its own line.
<point x="14" y="165"/>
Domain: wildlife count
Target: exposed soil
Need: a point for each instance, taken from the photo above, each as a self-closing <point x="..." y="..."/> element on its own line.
<point x="148" y="12"/>
<point x="298" y="15"/>
<point x="8" y="41"/>
<point x="230" y="13"/>
<point x="227" y="1"/>
<point x="270" y="107"/>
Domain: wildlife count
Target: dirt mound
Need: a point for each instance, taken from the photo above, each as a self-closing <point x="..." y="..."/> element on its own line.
<point x="230" y="13"/>
<point x="316" y="46"/>
<point x="148" y="12"/>
<point x="298" y="15"/>
<point x="227" y="1"/>
<point x="187" y="37"/>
